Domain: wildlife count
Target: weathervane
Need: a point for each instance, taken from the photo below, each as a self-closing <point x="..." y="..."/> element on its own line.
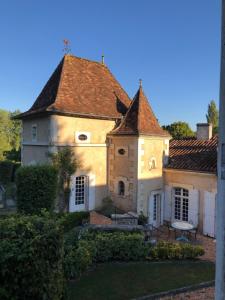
<point x="140" y="82"/>
<point x="66" y="48"/>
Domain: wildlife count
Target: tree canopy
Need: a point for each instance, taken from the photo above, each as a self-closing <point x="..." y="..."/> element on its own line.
<point x="179" y="130"/>
<point x="9" y="133"/>
<point x="212" y="115"/>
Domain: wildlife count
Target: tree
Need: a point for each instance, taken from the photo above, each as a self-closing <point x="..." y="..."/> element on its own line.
<point x="66" y="164"/>
<point x="179" y="130"/>
<point x="9" y="133"/>
<point x="212" y="115"/>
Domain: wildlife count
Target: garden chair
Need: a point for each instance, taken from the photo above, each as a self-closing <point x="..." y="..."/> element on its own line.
<point x="193" y="232"/>
<point x="169" y="228"/>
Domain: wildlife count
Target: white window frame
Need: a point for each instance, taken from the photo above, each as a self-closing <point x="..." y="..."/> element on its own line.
<point x="78" y="133"/>
<point x="81" y="190"/>
<point x="34" y="139"/>
<point x="181" y="204"/>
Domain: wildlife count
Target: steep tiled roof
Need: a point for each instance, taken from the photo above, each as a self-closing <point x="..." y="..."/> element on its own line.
<point x="194" y="155"/>
<point x="140" y="119"/>
<point x="81" y="87"/>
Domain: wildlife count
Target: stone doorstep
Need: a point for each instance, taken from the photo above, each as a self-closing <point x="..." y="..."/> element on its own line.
<point x="178" y="291"/>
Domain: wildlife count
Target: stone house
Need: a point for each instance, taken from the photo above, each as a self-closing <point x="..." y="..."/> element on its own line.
<point x="123" y="151"/>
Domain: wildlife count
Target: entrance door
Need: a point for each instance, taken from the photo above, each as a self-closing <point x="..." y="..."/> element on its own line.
<point x="79" y="193"/>
<point x="209" y="214"/>
<point x="155" y="205"/>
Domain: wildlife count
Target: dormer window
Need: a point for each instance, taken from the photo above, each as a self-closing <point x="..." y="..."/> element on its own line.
<point x="34" y="133"/>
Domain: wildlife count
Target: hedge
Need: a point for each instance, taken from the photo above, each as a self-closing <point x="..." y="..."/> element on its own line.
<point x="36" y="188"/>
<point x="31" y="258"/>
<point x="85" y="247"/>
<point x="168" y="250"/>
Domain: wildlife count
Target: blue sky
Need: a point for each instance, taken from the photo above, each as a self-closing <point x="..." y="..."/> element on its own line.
<point x="173" y="45"/>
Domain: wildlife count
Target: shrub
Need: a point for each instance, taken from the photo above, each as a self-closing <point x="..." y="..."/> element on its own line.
<point x="116" y="246"/>
<point x="6" y="171"/>
<point x="168" y="250"/>
<point x="71" y="220"/>
<point x="36" y="188"/>
<point x="31" y="258"/>
<point x="76" y="261"/>
<point x="142" y="219"/>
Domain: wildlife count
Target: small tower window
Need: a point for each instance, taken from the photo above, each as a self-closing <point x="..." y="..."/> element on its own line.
<point x="121" y="151"/>
<point x="121" y="188"/>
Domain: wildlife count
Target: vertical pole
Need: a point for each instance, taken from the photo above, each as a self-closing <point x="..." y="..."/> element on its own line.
<point x="220" y="215"/>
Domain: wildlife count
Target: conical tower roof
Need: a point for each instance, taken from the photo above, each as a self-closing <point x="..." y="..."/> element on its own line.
<point x="140" y="119"/>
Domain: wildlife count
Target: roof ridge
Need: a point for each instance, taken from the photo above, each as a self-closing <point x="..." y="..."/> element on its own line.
<point x="85" y="59"/>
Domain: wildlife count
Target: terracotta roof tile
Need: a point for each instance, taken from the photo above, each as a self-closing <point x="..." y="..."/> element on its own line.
<point x="82" y="87"/>
<point x="140" y="119"/>
<point x="193" y="155"/>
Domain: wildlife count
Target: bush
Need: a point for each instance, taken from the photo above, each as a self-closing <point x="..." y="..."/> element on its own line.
<point x="168" y="250"/>
<point x="76" y="261"/>
<point x="142" y="219"/>
<point x="6" y="171"/>
<point x="71" y="220"/>
<point x="116" y="246"/>
<point x="36" y="188"/>
<point x="31" y="258"/>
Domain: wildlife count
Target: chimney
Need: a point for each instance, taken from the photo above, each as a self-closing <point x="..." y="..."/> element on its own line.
<point x="103" y="59"/>
<point x="204" y="131"/>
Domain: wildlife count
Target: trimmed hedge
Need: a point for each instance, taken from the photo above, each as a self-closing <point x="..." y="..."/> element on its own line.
<point x="168" y="250"/>
<point x="36" y="188"/>
<point x="85" y="247"/>
<point x="31" y="258"/>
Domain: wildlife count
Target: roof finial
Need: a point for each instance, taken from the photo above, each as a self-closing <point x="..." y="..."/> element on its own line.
<point x="66" y="48"/>
<point x="140" y="83"/>
<point x="103" y="59"/>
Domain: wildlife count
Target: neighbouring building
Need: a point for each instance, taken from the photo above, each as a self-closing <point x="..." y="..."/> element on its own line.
<point x="123" y="151"/>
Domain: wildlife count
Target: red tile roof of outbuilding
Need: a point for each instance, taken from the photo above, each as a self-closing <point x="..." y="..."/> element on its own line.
<point x="193" y="155"/>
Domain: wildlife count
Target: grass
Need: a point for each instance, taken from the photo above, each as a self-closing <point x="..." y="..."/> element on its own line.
<point x="121" y="281"/>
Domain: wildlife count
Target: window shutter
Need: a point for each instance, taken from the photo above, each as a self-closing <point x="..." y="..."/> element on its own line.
<point x="167" y="202"/>
<point x="91" y="198"/>
<point x="193" y="210"/>
<point x="162" y="197"/>
<point x="209" y="214"/>
<point x="151" y="210"/>
<point x="72" y="194"/>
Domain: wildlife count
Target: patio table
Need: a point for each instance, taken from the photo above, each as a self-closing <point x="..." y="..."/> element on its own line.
<point x="184" y="227"/>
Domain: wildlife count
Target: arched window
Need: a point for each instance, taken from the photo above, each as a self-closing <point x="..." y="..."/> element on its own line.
<point x="121" y="188"/>
<point x="181" y="204"/>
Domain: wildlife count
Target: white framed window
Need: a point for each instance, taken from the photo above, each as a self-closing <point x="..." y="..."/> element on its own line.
<point x="82" y="137"/>
<point x="34" y="133"/>
<point x="181" y="204"/>
<point x="81" y="189"/>
<point x="156" y="199"/>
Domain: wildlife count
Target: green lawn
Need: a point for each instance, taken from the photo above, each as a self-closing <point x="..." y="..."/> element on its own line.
<point x="129" y="280"/>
